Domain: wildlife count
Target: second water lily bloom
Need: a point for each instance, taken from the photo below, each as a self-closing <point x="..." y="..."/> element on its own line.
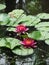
<point x="28" y="42"/>
<point x="21" y="28"/>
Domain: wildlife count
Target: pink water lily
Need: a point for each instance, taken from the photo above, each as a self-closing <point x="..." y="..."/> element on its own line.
<point x="21" y="28"/>
<point x="28" y="42"/>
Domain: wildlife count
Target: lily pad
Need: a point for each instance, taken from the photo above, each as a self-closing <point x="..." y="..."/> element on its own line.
<point x="13" y="42"/>
<point x="42" y="24"/>
<point x="47" y="41"/>
<point x="2" y="6"/>
<point x="35" y="35"/>
<point x="44" y="35"/>
<point x="4" y="19"/>
<point x="43" y="16"/>
<point x="23" y="51"/>
<point x="18" y="16"/>
<point x="2" y="42"/>
<point x="9" y="42"/>
<point x="43" y="29"/>
<point x="31" y="20"/>
<point x="16" y="13"/>
<point x="11" y="29"/>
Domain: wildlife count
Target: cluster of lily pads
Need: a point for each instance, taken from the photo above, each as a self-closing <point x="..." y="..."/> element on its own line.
<point x="20" y="32"/>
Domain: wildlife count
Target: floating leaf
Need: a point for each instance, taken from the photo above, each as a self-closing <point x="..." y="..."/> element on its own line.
<point x="23" y="18"/>
<point x="11" y="29"/>
<point x="35" y="21"/>
<point x="43" y="16"/>
<point x="13" y="42"/>
<point x="43" y="28"/>
<point x="2" y="6"/>
<point x="12" y="22"/>
<point x="31" y="20"/>
<point x="18" y="17"/>
<point x="2" y="42"/>
<point x="44" y="35"/>
<point x="9" y="42"/>
<point x="4" y="19"/>
<point x="35" y="35"/>
<point x="16" y="13"/>
<point x="23" y="51"/>
<point x="39" y="35"/>
<point x="42" y="24"/>
<point x="47" y="41"/>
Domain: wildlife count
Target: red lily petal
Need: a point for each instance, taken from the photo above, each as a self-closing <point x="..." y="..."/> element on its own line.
<point x="21" y="28"/>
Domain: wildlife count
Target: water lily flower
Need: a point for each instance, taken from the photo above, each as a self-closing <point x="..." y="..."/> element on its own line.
<point x="28" y="42"/>
<point x="21" y="28"/>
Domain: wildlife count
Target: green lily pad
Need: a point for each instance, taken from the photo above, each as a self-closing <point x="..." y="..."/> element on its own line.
<point x="16" y="13"/>
<point x="9" y="42"/>
<point x="35" y="35"/>
<point x="42" y="24"/>
<point x="18" y="16"/>
<point x="2" y="6"/>
<point x="2" y="42"/>
<point x="44" y="35"/>
<point x="23" y="51"/>
<point x="47" y="41"/>
<point x="43" y="16"/>
<point x="30" y="20"/>
<point x="13" y="42"/>
<point x="11" y="29"/>
<point x="4" y="19"/>
<point x="43" y="29"/>
<point x="39" y="35"/>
